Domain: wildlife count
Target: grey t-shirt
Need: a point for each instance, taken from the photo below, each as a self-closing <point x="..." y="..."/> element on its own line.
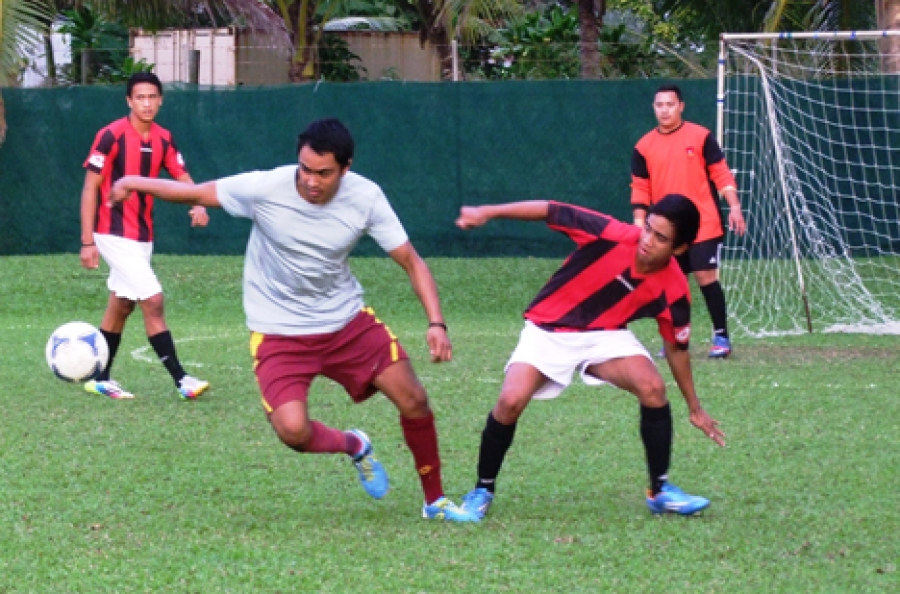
<point x="296" y="278"/>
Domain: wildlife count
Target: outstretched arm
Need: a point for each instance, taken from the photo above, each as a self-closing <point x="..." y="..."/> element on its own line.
<point x="426" y="290"/>
<point x="168" y="190"/>
<point x="680" y="364"/>
<point x="476" y="216"/>
<point x="198" y="214"/>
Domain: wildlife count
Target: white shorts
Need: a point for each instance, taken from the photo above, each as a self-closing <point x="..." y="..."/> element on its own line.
<point x="558" y="354"/>
<point x="130" y="274"/>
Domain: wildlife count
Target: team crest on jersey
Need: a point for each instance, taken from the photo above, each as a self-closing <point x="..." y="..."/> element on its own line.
<point x="690" y="151"/>
<point x="97" y="160"/>
<point x="683" y="334"/>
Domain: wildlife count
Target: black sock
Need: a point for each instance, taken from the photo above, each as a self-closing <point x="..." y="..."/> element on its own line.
<point x="715" y="303"/>
<point x="495" y="441"/>
<point x="164" y="346"/>
<point x="656" y="433"/>
<point x="113" y="339"/>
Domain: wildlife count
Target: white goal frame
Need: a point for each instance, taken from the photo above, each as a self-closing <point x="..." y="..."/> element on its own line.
<point x="875" y="316"/>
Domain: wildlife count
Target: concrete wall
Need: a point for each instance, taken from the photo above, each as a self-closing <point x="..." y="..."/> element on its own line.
<point x="393" y="56"/>
<point x="228" y="57"/>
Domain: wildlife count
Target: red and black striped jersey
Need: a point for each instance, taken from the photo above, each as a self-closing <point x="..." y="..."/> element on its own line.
<point x="120" y="150"/>
<point x="598" y="288"/>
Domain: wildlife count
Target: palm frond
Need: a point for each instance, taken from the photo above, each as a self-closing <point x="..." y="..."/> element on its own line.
<point x="21" y="22"/>
<point x="258" y="17"/>
<point x="470" y="20"/>
<point x="382" y="24"/>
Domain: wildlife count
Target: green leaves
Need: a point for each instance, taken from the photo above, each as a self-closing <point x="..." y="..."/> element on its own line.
<point x="20" y="24"/>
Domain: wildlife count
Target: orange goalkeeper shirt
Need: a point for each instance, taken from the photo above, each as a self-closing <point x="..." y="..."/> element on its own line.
<point x="686" y="161"/>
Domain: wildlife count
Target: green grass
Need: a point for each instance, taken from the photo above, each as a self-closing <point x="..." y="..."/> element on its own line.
<point x="161" y="495"/>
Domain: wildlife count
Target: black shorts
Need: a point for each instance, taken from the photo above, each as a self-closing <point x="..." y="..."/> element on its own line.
<point x="703" y="255"/>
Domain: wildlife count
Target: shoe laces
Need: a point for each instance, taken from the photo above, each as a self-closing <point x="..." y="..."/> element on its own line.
<point x="112" y="386"/>
<point x="477" y="496"/>
<point x="366" y="467"/>
<point x="444" y="504"/>
<point x="189" y="382"/>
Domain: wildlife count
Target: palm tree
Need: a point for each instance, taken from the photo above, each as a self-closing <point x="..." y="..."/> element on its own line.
<point x="469" y="21"/>
<point x="590" y="20"/>
<point x="20" y="21"/>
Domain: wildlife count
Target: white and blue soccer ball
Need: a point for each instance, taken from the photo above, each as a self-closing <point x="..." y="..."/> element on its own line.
<point x="77" y="352"/>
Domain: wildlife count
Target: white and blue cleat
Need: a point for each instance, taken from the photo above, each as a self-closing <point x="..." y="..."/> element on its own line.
<point x="444" y="509"/>
<point x="477" y="502"/>
<point x="372" y="474"/>
<point x="673" y="500"/>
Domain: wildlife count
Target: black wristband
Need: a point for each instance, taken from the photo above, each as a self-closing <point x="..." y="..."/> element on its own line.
<point x="438" y="325"/>
<point x="88" y="244"/>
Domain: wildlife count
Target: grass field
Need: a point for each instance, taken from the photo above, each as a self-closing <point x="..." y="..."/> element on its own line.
<point x="161" y="495"/>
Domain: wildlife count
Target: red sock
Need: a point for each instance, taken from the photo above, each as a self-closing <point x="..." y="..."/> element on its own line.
<point x="326" y="440"/>
<point x="421" y="437"/>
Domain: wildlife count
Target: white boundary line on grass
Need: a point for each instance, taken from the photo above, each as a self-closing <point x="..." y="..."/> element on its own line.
<point x="142" y="353"/>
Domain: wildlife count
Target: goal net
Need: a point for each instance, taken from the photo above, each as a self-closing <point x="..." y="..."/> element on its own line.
<point x="810" y="125"/>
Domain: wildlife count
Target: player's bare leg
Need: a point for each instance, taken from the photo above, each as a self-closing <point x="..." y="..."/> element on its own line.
<point x="520" y="384"/>
<point x="294" y="428"/>
<point x="117" y="311"/>
<point x="640" y="376"/>
<point x="297" y="431"/>
<point x="401" y="386"/>
<point x="163" y="344"/>
<point x="111" y="326"/>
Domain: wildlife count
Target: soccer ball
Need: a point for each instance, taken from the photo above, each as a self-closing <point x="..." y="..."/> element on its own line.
<point x="77" y="352"/>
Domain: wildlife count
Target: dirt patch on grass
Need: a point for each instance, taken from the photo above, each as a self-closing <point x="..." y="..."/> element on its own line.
<point x="802" y="354"/>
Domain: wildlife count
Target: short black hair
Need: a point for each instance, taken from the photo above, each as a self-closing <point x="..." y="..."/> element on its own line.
<point x="328" y="135"/>
<point x="143" y="77"/>
<point x="670" y="88"/>
<point x="682" y="213"/>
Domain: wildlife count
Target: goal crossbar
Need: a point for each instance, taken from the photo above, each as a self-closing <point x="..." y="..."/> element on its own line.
<point x="811" y="35"/>
<point x="809" y="123"/>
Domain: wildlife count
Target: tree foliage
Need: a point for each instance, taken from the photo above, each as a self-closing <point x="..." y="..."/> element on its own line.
<point x="20" y="22"/>
<point x="707" y="19"/>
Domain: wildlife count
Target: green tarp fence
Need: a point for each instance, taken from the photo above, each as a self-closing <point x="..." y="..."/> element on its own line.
<point x="431" y="146"/>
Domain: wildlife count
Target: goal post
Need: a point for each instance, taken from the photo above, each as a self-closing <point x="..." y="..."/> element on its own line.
<point x="810" y="126"/>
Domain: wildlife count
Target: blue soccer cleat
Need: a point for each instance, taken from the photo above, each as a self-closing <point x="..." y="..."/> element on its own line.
<point x="720" y="349"/>
<point x="372" y="474"/>
<point x="477" y="502"/>
<point x="444" y="509"/>
<point x="671" y="499"/>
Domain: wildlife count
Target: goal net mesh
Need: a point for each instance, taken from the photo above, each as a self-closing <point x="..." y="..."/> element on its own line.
<point x="811" y="129"/>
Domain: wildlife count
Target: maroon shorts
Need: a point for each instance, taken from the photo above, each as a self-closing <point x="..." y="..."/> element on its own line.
<point x="353" y="357"/>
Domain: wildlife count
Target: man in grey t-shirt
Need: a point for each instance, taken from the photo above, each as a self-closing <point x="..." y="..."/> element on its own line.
<point x="305" y="309"/>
